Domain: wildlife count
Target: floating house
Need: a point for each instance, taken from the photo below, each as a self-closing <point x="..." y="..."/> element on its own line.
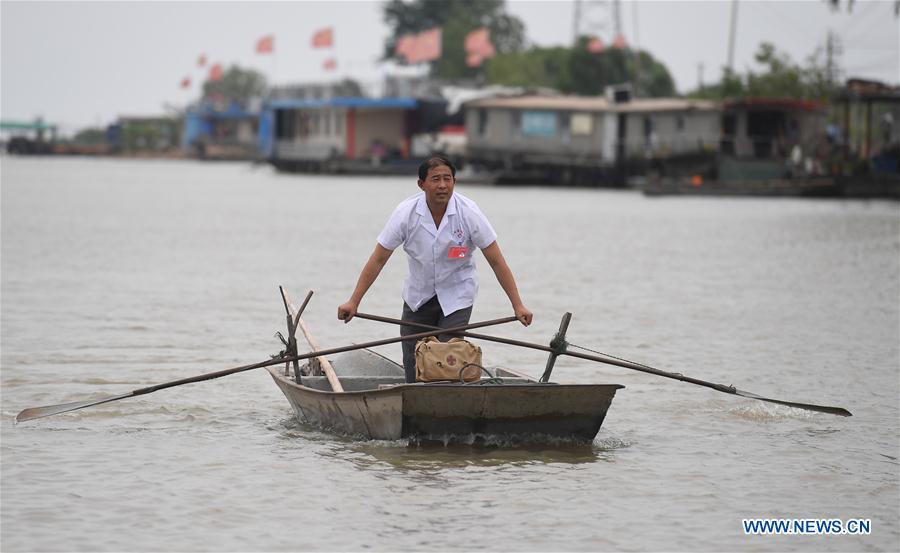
<point x="349" y="134"/>
<point x="869" y="115"/>
<point x="595" y="141"/>
<point x="868" y="138"/>
<point x="27" y="138"/>
<point x="218" y="132"/>
<point x="772" y="147"/>
<point x="761" y="135"/>
<point x="140" y="135"/>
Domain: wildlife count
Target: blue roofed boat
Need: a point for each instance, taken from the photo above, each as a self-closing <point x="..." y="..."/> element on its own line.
<point x="349" y="134"/>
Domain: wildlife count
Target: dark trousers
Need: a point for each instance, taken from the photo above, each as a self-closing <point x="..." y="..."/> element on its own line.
<point x="429" y="314"/>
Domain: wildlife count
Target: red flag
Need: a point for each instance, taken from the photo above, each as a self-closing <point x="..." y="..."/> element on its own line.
<point x="427" y="46"/>
<point x="215" y="72"/>
<point x="201" y="61"/>
<point x="479" y="42"/>
<point x="595" y="46"/>
<point x="329" y="65"/>
<point x="619" y="42"/>
<point x="405" y="45"/>
<point x="186" y="82"/>
<point x="265" y="45"/>
<point x="478" y="47"/>
<point x="323" y="38"/>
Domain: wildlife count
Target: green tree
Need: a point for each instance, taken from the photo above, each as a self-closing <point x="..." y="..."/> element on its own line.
<point x="651" y="76"/>
<point x="730" y="85"/>
<point x="236" y="84"/>
<point x="348" y="87"/>
<point x="90" y="136"/>
<point x="579" y="71"/>
<point x="538" y="67"/>
<point x="456" y="18"/>
<point x="592" y="72"/>
<point x="780" y="78"/>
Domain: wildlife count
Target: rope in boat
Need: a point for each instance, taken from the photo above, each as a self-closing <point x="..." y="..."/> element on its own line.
<point x="491" y="380"/>
<point x="284" y="352"/>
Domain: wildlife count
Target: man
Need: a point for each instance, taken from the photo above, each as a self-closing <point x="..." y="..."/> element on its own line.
<point x="439" y="231"/>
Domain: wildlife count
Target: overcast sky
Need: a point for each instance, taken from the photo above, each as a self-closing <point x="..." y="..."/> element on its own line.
<point x="79" y="64"/>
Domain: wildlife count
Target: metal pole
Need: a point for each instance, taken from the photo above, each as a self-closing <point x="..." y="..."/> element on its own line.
<point x="576" y="19"/>
<point x="734" y="10"/>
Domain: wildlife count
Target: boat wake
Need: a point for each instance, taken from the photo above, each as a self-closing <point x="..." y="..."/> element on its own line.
<point x="498" y="441"/>
<point x="767" y="412"/>
<point x="611" y="444"/>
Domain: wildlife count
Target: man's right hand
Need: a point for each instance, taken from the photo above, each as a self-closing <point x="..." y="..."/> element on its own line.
<point x="347" y="311"/>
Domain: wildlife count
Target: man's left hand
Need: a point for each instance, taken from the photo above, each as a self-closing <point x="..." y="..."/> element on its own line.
<point x="524" y="315"/>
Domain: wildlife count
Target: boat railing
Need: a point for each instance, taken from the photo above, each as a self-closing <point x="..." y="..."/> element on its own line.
<point x="369" y="383"/>
<point x="305" y="149"/>
<point x="351" y="383"/>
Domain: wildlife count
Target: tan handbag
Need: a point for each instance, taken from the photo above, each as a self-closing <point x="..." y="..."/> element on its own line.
<point x="454" y="360"/>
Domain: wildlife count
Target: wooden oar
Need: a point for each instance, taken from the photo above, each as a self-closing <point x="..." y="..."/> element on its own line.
<point x="38" y="412"/>
<point x="622" y="363"/>
<point x="324" y="363"/>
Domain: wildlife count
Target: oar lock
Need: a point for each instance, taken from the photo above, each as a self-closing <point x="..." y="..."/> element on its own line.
<point x="289" y="351"/>
<point x="559" y="344"/>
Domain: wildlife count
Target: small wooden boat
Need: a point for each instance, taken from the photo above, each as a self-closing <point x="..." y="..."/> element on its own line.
<point x="377" y="403"/>
<point x="364" y="394"/>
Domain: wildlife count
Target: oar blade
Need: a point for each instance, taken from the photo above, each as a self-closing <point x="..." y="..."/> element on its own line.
<point x="840" y="411"/>
<point x="46" y="411"/>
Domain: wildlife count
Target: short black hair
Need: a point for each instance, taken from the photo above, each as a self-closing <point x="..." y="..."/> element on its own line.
<point x="433" y="162"/>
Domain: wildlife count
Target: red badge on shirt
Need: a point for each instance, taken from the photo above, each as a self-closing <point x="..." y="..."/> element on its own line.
<point x="457" y="252"/>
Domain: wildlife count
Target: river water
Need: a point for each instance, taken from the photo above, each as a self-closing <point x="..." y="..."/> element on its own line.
<point x="119" y="274"/>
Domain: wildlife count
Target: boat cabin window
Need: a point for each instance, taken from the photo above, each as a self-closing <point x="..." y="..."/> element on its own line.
<point x="766" y="130"/>
<point x="729" y="128"/>
<point x="581" y="124"/>
<point x="302" y="125"/>
<point x="565" y="126"/>
<point x="651" y="140"/>
<point x="284" y="123"/>
<point x="482" y="122"/>
<point x="648" y="128"/>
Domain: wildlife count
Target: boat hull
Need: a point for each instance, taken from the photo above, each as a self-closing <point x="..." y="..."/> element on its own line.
<point x="375" y="414"/>
<point x="530" y="411"/>
<point x="522" y="410"/>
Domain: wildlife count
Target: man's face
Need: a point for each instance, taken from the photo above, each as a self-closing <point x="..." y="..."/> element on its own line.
<point x="438" y="185"/>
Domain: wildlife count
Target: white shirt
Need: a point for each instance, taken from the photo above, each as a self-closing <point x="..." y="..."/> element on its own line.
<point x="441" y="260"/>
